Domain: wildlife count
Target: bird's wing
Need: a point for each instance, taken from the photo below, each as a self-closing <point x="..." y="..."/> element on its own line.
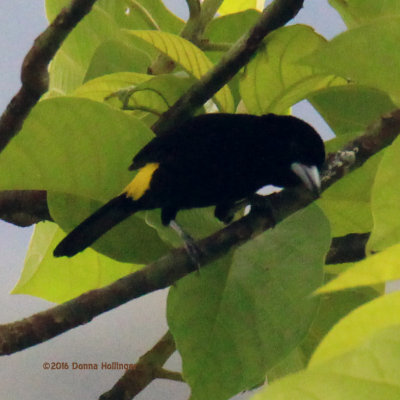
<point x="156" y="151"/>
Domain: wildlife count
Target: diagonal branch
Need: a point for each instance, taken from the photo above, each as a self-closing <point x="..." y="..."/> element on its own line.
<point x="148" y="368"/>
<point x="176" y="264"/>
<point x="274" y="16"/>
<point x="34" y="74"/>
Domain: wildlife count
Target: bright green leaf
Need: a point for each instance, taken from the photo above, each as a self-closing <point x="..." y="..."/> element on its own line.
<point x="333" y="307"/>
<point x="60" y="279"/>
<point x="90" y="145"/>
<point x="99" y="88"/>
<point x="347" y="203"/>
<point x="358" y="326"/>
<point x="349" y="109"/>
<point x="274" y="80"/>
<point x="189" y="57"/>
<point x="358" y="12"/>
<point x="378" y="268"/>
<point x="238" y="318"/>
<point x="113" y="56"/>
<point x="104" y="23"/>
<point x="369" y="372"/>
<point x="385" y="201"/>
<point x="235" y="6"/>
<point x="367" y="55"/>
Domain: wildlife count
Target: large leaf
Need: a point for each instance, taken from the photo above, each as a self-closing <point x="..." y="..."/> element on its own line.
<point x="238" y="318"/>
<point x="333" y="307"/>
<point x="349" y="109"/>
<point x="103" y="23"/>
<point x="89" y="145"/>
<point x="61" y="279"/>
<point x="347" y="203"/>
<point x="378" y="268"/>
<point x="189" y="57"/>
<point x="385" y="201"/>
<point x="374" y="50"/>
<point x="99" y="88"/>
<point x="358" y="12"/>
<point x="274" y="80"/>
<point x="358" y="326"/>
<point x="114" y="56"/>
<point x="369" y="372"/>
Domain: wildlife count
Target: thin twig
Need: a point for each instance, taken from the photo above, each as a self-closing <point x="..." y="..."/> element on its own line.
<point x="177" y="263"/>
<point x="34" y="73"/>
<point x="147" y="16"/>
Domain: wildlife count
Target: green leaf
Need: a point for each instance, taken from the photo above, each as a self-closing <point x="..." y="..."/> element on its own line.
<point x="369" y="372"/>
<point x="229" y="28"/>
<point x="374" y="50"/>
<point x="385" y="201"/>
<point x="90" y="145"/>
<point x="358" y="326"/>
<point x="189" y="57"/>
<point x="114" y="56"/>
<point x="239" y="317"/>
<point x="358" y="12"/>
<point x="103" y="23"/>
<point x="333" y="307"/>
<point x="347" y="204"/>
<point x="349" y="109"/>
<point x="99" y="88"/>
<point x="61" y="279"/>
<point x="378" y="268"/>
<point x="236" y="6"/>
<point x="274" y="80"/>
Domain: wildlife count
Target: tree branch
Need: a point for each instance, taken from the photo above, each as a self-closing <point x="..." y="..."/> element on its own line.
<point x="274" y="16"/>
<point x="34" y="73"/>
<point x="24" y="207"/>
<point x="148" y="368"/>
<point x="176" y="264"/>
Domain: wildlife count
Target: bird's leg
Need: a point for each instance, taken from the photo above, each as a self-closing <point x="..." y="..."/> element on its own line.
<point x="192" y="249"/>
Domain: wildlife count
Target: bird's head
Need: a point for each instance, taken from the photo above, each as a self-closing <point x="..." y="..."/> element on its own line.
<point x="304" y="152"/>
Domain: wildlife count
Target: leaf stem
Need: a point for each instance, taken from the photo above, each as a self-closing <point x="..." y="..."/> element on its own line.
<point x="148" y="17"/>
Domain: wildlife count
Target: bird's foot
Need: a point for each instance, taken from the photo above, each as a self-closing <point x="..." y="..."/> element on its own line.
<point x="191" y="247"/>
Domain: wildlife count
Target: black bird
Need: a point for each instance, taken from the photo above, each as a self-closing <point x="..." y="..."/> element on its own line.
<point x="212" y="159"/>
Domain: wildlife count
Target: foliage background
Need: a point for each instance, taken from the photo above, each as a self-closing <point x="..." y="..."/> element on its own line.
<point x="30" y="362"/>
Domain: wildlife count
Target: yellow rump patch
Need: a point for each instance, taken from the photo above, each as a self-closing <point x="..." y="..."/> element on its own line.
<point x="141" y="182"/>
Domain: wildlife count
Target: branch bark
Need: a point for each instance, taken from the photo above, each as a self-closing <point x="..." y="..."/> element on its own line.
<point x="274" y="16"/>
<point x="176" y="264"/>
<point x="148" y="368"/>
<point x="34" y="73"/>
<point x="24" y="207"/>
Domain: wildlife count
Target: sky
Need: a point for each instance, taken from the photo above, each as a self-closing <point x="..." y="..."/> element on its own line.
<point x="108" y="337"/>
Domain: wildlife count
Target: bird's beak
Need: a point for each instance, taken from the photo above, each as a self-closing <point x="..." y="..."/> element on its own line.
<point x="308" y="175"/>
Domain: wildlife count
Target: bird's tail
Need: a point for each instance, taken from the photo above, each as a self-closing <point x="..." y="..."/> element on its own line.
<point x="86" y="233"/>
